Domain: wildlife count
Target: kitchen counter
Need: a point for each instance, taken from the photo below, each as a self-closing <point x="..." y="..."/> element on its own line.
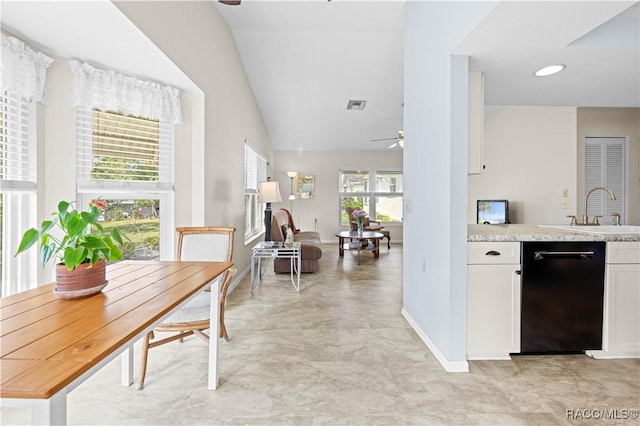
<point x="514" y="232"/>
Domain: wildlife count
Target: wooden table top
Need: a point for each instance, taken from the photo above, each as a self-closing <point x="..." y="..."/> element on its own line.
<point x="47" y="342"/>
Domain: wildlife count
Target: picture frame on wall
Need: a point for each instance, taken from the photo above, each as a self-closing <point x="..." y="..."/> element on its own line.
<point x="305" y="186"/>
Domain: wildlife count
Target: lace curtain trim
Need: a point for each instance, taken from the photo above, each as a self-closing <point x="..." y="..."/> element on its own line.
<point x="111" y="91"/>
<point x="23" y="70"/>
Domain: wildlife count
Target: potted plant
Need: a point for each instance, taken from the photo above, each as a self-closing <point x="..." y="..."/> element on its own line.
<point x="81" y="249"/>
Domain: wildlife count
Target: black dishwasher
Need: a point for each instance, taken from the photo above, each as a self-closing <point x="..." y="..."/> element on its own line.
<point x="562" y="296"/>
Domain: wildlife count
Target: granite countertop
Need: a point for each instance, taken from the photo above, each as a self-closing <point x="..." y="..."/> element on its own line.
<point x="514" y="232"/>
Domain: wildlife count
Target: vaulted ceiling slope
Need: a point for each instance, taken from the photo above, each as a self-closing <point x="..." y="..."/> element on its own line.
<point x="306" y="59"/>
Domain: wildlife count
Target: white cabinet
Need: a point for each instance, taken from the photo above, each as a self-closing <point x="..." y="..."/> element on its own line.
<point x="621" y="333"/>
<point x="493" y="305"/>
<point x="476" y="123"/>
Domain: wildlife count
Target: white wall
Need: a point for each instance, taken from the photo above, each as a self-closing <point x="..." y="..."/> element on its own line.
<point x="435" y="175"/>
<point x="325" y="206"/>
<point x="530" y="158"/>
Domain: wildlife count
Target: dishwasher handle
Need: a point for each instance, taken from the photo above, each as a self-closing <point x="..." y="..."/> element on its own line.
<point x="540" y="255"/>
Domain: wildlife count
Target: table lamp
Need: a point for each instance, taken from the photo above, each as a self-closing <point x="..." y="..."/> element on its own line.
<point x="269" y="193"/>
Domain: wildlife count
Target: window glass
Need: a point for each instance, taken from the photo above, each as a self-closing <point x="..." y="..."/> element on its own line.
<point x="130" y="158"/>
<point x="377" y="192"/>
<point x="138" y="220"/>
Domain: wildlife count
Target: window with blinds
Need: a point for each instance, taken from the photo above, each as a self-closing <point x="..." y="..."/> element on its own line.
<point x="18" y="181"/>
<point x="18" y="160"/>
<point x="377" y="192"/>
<point x="604" y="166"/>
<point x="118" y="151"/>
<point x="255" y="171"/>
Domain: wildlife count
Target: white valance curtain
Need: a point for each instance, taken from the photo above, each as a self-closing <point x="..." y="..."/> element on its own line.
<point x="111" y="91"/>
<point x="23" y="70"/>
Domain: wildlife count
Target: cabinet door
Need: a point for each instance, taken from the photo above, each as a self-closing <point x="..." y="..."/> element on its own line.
<point x="622" y="302"/>
<point x="493" y="314"/>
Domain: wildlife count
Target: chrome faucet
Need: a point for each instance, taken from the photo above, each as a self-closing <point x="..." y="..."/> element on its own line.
<point x="585" y="216"/>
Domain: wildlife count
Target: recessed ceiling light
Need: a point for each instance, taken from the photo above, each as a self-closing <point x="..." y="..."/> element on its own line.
<point x="550" y="70"/>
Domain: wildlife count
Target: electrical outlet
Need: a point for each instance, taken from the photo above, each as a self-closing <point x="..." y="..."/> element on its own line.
<point x="565" y="203"/>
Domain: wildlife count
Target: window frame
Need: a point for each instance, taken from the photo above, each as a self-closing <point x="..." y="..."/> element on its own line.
<point x="162" y="189"/>
<point x="253" y="210"/>
<point x="371" y="194"/>
<point x="19" y="193"/>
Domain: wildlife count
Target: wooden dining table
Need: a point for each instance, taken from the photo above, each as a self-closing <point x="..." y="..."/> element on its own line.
<point x="49" y="345"/>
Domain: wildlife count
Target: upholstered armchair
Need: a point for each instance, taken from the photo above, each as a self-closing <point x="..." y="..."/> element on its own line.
<point x="369" y="225"/>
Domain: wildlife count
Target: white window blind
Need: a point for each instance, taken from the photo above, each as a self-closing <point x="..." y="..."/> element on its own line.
<point x="117" y="151"/>
<point x="255" y="167"/>
<point x="18" y="165"/>
<point x="18" y="178"/>
<point x="605" y="161"/>
<point x="255" y="171"/>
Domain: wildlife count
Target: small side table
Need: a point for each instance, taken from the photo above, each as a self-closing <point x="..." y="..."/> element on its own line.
<point x="267" y="249"/>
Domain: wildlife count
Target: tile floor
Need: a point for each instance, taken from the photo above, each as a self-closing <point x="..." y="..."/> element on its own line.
<point x="339" y="352"/>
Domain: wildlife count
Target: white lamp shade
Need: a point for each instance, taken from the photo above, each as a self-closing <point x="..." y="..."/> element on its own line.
<point x="292" y="174"/>
<point x="270" y="192"/>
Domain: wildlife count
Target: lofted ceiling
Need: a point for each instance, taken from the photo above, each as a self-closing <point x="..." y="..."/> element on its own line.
<point x="306" y="59"/>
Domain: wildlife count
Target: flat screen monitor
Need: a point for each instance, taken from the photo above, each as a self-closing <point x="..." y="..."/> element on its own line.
<point x="493" y="211"/>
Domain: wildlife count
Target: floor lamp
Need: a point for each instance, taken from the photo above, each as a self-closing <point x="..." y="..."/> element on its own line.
<point x="292" y="175"/>
<point x="269" y="193"/>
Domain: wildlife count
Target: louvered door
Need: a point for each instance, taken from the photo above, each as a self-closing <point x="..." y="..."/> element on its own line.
<point x="605" y="166"/>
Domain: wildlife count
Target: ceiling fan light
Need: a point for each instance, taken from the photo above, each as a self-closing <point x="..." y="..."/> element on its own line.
<point x="549" y="70"/>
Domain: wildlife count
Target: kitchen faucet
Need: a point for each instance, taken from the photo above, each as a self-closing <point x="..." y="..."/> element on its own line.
<point x="585" y="217"/>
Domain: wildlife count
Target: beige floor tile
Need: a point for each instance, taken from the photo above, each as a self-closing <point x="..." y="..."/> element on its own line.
<point x="340" y="353"/>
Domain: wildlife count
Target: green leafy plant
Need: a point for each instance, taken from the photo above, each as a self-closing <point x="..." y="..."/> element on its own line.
<point x="83" y="240"/>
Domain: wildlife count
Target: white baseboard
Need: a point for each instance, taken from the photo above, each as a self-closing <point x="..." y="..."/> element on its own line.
<point x="611" y="355"/>
<point x="236" y="280"/>
<point x="449" y="366"/>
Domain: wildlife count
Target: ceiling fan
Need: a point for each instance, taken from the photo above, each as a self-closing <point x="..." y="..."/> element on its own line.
<point x="399" y="140"/>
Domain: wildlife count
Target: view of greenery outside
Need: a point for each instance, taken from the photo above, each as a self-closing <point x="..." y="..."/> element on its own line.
<point x="138" y="222"/>
<point x="126" y="148"/>
<point x="377" y="192"/>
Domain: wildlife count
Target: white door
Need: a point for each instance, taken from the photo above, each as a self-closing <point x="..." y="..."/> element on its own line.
<point x="605" y="166"/>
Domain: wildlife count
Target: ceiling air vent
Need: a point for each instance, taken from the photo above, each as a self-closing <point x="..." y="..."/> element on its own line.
<point x="356" y="105"/>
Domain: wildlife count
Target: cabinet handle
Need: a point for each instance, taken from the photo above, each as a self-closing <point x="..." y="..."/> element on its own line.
<point x="518" y="272"/>
<point x="492" y="253"/>
<point x="540" y="255"/>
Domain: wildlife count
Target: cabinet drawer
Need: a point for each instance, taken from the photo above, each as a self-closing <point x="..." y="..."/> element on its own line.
<point x="623" y="252"/>
<point x="479" y="253"/>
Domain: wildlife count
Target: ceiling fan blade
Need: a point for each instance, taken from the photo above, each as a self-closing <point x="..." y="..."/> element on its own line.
<point x="392" y="145"/>
<point x="401" y="142"/>
<point x="385" y="139"/>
